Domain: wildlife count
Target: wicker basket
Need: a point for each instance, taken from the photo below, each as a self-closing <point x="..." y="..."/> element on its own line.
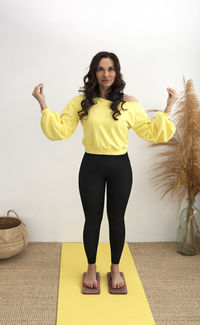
<point x="13" y="236"/>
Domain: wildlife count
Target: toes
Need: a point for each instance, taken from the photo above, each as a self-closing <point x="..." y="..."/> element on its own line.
<point x="117" y="286"/>
<point x="91" y="285"/>
<point x="88" y="285"/>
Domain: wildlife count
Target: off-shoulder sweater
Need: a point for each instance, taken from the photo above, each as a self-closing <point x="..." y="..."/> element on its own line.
<point x="101" y="133"/>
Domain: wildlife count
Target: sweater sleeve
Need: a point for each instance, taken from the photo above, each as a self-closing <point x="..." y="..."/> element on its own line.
<point x="61" y="127"/>
<point x="161" y="129"/>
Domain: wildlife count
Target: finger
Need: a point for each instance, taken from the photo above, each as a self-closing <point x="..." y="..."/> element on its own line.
<point x="39" y="89"/>
<point x="171" y="89"/>
<point x="36" y="89"/>
<point x="39" y="86"/>
<point x="171" y="93"/>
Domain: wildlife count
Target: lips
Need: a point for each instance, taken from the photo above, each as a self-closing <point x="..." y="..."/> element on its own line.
<point x="106" y="80"/>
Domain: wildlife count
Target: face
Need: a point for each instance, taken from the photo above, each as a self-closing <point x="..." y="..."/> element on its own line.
<point x="105" y="73"/>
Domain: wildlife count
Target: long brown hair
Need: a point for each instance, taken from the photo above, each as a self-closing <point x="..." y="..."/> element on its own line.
<point x="91" y="86"/>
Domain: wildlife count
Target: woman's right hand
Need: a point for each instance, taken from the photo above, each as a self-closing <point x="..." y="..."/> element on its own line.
<point x="38" y="93"/>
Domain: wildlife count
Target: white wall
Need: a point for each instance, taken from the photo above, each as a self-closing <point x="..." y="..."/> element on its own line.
<point x="53" y="42"/>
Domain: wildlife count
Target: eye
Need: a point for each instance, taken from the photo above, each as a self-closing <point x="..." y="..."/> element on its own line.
<point x="100" y="68"/>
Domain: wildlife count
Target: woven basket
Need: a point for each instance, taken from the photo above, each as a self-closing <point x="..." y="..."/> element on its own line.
<point x="13" y="236"/>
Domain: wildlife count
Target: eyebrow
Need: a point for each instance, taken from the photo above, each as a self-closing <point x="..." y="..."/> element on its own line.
<point x="112" y="66"/>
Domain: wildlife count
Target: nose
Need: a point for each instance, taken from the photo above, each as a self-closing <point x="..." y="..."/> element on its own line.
<point x="106" y="73"/>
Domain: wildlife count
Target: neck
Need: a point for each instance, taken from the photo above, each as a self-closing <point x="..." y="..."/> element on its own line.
<point x="103" y="92"/>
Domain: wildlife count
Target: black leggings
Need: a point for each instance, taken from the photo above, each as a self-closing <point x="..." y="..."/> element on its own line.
<point x="96" y="171"/>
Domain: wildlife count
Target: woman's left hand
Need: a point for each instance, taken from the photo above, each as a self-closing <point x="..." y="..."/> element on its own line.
<point x="172" y="98"/>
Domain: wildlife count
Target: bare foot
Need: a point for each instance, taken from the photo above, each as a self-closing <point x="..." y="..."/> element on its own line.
<point x="117" y="280"/>
<point x="90" y="277"/>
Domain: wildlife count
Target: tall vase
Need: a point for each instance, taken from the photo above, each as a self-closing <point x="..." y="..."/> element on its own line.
<point x="188" y="232"/>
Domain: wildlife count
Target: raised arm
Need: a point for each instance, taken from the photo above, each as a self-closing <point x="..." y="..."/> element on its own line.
<point x="57" y="127"/>
<point x="61" y="127"/>
<point x="161" y="129"/>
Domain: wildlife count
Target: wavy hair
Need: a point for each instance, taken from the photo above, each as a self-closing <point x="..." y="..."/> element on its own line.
<point x="91" y="86"/>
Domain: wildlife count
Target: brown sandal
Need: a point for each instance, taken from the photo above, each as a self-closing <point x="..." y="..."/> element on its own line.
<point x="87" y="290"/>
<point x="122" y="290"/>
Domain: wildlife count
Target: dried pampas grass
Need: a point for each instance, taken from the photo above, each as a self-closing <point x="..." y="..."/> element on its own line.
<point x="177" y="168"/>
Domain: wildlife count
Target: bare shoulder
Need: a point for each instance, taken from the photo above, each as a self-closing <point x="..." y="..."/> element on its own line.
<point x="129" y="98"/>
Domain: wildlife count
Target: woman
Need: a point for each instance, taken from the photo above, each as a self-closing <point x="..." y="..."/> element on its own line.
<point x="106" y="115"/>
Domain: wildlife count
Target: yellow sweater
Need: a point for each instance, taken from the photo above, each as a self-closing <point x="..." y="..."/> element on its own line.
<point x="103" y="134"/>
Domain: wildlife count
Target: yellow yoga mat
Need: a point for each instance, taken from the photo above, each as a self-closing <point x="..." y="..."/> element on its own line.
<point x="76" y="308"/>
